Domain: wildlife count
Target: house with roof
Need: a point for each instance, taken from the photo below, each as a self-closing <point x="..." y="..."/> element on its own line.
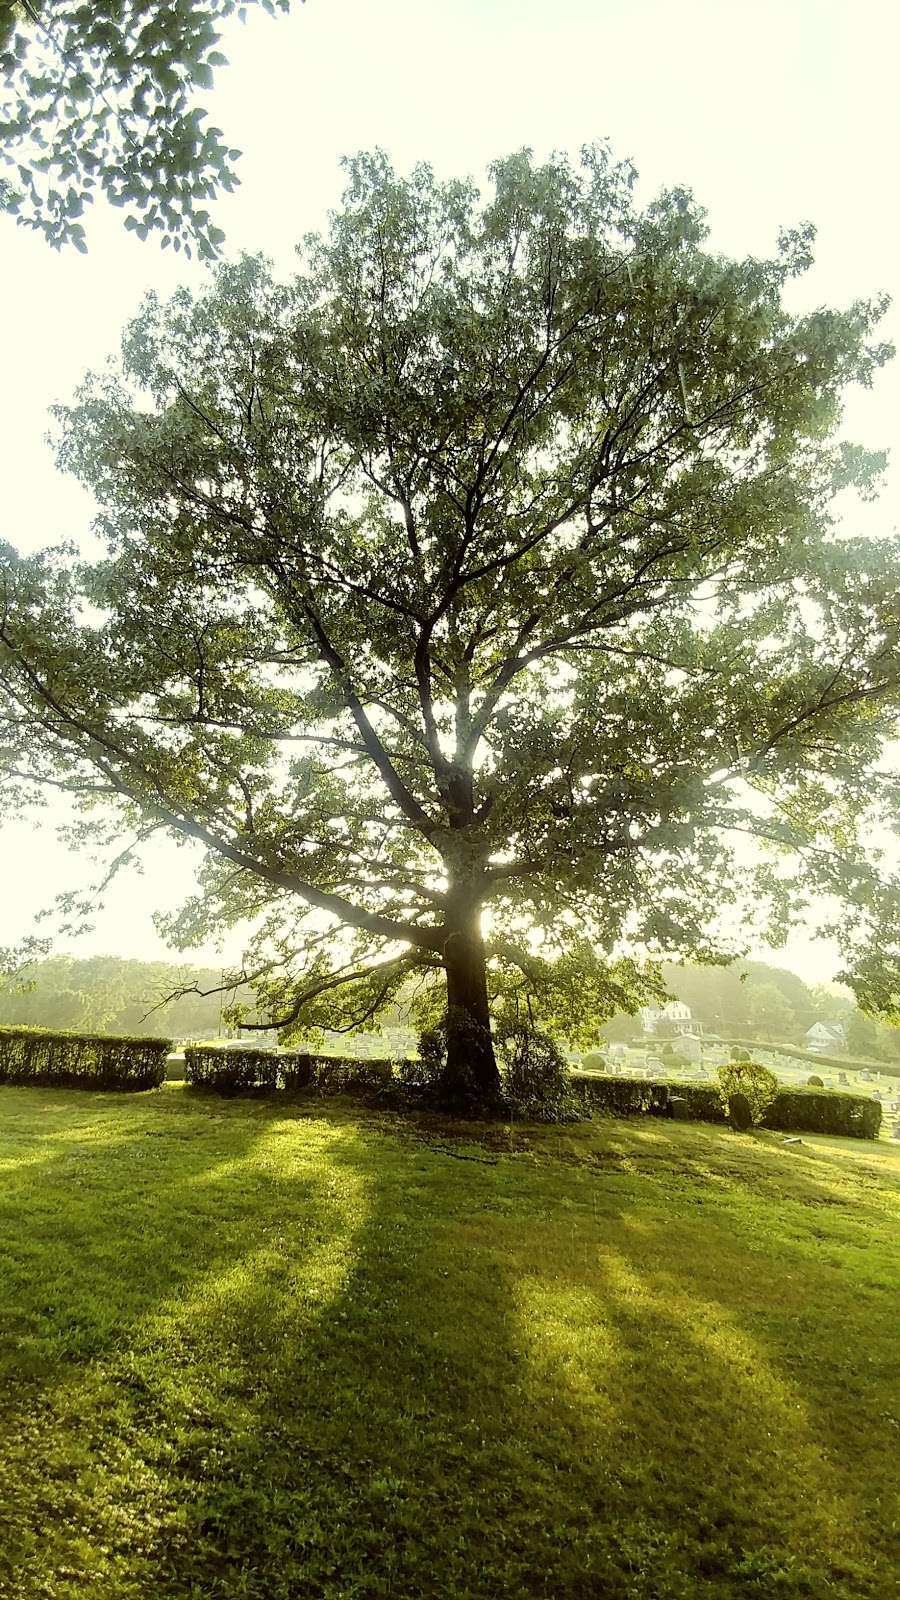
<point x="670" y="1021"/>
<point x="825" y="1036"/>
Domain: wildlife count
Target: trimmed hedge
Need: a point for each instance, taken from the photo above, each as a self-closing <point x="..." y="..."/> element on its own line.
<point x="624" y="1097"/>
<point x="350" y="1074"/>
<point x="854" y="1116"/>
<point x="228" y="1071"/>
<point x="62" y="1060"/>
<point x="621" y="1096"/>
<point x="696" y="1102"/>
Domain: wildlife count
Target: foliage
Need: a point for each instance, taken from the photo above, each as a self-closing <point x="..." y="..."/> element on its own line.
<point x="624" y="1028"/>
<point x="455" y="1038"/>
<point x="872" y="1037"/>
<point x="100" y="99"/>
<point x="876" y="984"/>
<point x="401" y="613"/>
<point x="536" y="1081"/>
<point x="752" y="999"/>
<point x="694" y="1102"/>
<point x="853" y="1116"/>
<point x="348" y="1075"/>
<point x="568" y="994"/>
<point x="110" y="994"/>
<point x="620" y="1096"/>
<point x="81" y="1060"/>
<point x="422" y="1073"/>
<point x="754" y="1082"/>
<point x="757" y="1001"/>
<point x="772" y="1014"/>
<point x="739" y="1053"/>
<point x="829" y="1111"/>
<point x="228" y="1071"/>
<point x="295" y="1070"/>
<point x="595" y="1061"/>
<point x="862" y="1035"/>
<point x="415" y="1078"/>
<point x="814" y="1081"/>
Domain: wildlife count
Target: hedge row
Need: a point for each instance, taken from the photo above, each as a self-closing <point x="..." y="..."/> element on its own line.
<point x="853" y="1116"/>
<point x="225" y="1071"/>
<point x="81" y="1060"/>
<point x="624" y="1097"/>
<point x="842" y="1063"/>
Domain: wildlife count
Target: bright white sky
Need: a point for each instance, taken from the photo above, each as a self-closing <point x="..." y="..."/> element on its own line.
<point x="773" y="111"/>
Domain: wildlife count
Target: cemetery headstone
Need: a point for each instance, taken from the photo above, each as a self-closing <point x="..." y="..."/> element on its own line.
<point x="740" y="1113"/>
<point x="688" y="1047"/>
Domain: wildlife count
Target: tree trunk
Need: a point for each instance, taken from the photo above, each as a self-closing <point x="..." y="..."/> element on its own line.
<point x="471" y="1081"/>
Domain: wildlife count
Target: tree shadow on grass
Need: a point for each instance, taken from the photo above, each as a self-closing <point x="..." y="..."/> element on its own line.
<point x="796" y="1168"/>
<point x="322" y="1360"/>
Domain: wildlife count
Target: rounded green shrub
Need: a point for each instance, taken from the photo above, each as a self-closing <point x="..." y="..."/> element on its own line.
<point x="754" y="1082"/>
<point x="814" y="1081"/>
<point x="594" y="1061"/>
<point x="426" y="1072"/>
<point x="536" y="1081"/>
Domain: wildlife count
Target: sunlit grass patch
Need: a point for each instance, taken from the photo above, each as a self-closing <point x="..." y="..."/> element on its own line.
<point x="265" y="1351"/>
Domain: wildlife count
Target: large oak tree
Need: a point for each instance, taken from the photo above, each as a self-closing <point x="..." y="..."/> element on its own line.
<point x="474" y="598"/>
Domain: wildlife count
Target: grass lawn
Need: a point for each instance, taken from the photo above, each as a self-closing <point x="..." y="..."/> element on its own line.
<point x="278" y="1351"/>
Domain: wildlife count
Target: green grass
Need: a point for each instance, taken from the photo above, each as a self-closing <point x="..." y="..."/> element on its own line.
<point x="278" y="1351"/>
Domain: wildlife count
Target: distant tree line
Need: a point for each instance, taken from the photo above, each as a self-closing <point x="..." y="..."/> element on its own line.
<point x="106" y="993"/>
<point x="757" y="1001"/>
<point x="110" y="995"/>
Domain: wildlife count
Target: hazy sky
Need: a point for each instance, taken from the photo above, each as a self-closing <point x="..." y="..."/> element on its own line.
<point x="773" y="111"/>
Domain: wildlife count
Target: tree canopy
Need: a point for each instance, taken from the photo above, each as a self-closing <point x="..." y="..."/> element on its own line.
<point x="475" y="598"/>
<point x="100" y="98"/>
